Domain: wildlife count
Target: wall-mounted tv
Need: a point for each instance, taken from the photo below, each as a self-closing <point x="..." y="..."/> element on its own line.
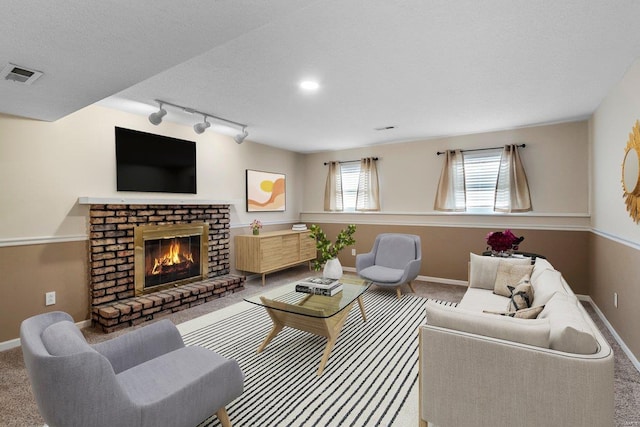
<point x="148" y="162"/>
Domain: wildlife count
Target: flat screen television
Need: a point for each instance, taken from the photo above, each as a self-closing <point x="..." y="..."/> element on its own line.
<point x="155" y="163"/>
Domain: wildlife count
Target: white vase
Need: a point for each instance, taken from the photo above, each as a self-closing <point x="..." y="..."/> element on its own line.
<point x="332" y="269"/>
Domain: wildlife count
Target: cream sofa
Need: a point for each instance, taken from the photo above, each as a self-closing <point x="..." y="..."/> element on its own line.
<point x="482" y="369"/>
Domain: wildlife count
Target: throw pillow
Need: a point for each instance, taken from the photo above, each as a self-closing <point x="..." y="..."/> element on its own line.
<point x="525" y="313"/>
<point x="483" y="269"/>
<point x="510" y="274"/>
<point x="521" y="297"/>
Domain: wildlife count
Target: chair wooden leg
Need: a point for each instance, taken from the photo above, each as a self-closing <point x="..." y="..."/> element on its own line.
<point x="398" y="292"/>
<point x="412" y="288"/>
<point x="223" y="417"/>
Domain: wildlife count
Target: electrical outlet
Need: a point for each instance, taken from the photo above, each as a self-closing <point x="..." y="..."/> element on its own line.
<point x="353" y="252"/>
<point x="615" y="299"/>
<point x="50" y="298"/>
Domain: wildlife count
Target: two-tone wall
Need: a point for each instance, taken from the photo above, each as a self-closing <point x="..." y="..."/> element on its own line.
<point x="556" y="161"/>
<point x="614" y="260"/>
<point x="45" y="167"/>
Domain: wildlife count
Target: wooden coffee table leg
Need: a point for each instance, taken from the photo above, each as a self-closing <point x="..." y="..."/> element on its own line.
<point x="361" y="304"/>
<point x="333" y="327"/>
<point x="277" y="326"/>
<point x="274" y="331"/>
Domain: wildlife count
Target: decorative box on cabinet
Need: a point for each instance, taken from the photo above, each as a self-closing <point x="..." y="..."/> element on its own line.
<point x="271" y="251"/>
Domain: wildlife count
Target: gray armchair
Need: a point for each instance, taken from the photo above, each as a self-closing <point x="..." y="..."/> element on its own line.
<point x="146" y="377"/>
<point x="394" y="260"/>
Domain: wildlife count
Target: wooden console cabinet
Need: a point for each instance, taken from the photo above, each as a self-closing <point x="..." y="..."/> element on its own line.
<point x="272" y="251"/>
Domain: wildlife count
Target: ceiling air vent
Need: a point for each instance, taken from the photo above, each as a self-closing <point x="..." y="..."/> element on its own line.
<point x="19" y="74"/>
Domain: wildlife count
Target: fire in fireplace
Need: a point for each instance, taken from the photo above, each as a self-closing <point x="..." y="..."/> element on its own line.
<point x="169" y="255"/>
<point x="169" y="260"/>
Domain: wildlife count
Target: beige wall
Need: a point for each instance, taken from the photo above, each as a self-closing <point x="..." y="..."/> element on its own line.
<point x="615" y="267"/>
<point x="50" y="165"/>
<point x="615" y="246"/>
<point x="555" y="158"/>
<point x="445" y="250"/>
<point x="29" y="271"/>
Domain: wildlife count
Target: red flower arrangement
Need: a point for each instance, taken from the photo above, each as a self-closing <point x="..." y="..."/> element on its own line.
<point x="503" y="241"/>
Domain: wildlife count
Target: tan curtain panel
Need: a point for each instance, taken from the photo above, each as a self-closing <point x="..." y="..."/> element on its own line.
<point x="368" y="197"/>
<point x="512" y="188"/>
<point x="450" y="195"/>
<point x="333" y="189"/>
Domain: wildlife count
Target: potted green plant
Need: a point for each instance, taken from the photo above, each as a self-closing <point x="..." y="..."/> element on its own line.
<point x="328" y="251"/>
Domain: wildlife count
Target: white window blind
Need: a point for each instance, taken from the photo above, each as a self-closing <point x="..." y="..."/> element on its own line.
<point x="481" y="174"/>
<point x="350" y="175"/>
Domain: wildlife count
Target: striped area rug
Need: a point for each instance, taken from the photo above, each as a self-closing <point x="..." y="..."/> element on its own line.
<point x="368" y="380"/>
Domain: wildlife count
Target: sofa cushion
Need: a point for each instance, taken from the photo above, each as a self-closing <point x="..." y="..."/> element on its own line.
<point x="484" y="269"/>
<point x="63" y="339"/>
<point x="547" y="283"/>
<point x="570" y="331"/>
<point x="539" y="266"/>
<point x="476" y="299"/>
<point x="525" y="313"/>
<point x="533" y="332"/>
<point x="382" y="274"/>
<point x="521" y="296"/>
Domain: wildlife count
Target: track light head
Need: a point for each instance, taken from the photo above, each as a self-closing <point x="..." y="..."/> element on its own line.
<point x="239" y="138"/>
<point x="201" y="127"/>
<point x="156" y="118"/>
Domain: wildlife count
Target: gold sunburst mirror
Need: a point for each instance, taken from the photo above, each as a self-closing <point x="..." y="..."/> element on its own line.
<point x="631" y="173"/>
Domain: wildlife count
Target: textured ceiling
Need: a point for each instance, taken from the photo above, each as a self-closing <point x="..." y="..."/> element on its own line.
<point x="430" y="68"/>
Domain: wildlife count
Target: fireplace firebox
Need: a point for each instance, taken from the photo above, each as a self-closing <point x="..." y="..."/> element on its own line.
<point x="169" y="255"/>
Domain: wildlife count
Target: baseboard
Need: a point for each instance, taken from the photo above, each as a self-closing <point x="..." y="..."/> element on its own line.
<point x="426" y="278"/>
<point x="8" y="345"/>
<point x="443" y="280"/>
<point x="617" y="337"/>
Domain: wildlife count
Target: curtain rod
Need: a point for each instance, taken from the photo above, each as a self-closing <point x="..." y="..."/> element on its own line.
<point x="479" y="149"/>
<point x="350" y="161"/>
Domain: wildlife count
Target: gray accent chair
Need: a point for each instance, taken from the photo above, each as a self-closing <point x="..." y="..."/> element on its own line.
<point x="394" y="260"/>
<point x="146" y="377"/>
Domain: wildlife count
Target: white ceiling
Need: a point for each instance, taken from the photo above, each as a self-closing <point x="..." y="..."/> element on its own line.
<point x="430" y="67"/>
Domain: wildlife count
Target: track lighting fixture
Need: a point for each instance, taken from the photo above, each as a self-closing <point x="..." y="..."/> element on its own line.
<point x="201" y="127"/>
<point x="156" y="118"/>
<point x="239" y="138"/>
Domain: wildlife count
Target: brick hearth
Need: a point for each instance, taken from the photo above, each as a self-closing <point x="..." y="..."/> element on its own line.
<point x="113" y="301"/>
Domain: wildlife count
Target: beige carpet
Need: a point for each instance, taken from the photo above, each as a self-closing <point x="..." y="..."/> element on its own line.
<point x="18" y="408"/>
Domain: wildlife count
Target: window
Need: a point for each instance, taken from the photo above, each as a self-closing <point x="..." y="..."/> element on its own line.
<point x="481" y="174"/>
<point x="350" y="175"/>
<point x="483" y="181"/>
<point x="352" y="186"/>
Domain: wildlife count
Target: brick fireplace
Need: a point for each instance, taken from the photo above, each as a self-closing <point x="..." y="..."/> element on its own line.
<point x="114" y="248"/>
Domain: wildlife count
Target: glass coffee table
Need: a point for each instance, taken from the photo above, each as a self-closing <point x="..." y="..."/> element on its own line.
<point x="317" y="314"/>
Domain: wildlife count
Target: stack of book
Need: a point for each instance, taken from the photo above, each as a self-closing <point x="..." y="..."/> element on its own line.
<point x="319" y="286"/>
<point x="299" y="227"/>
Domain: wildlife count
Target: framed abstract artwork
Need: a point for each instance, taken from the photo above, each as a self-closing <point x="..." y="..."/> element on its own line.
<point x="266" y="191"/>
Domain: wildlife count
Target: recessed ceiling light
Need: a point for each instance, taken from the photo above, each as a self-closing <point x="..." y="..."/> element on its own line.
<point x="309" y="85"/>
